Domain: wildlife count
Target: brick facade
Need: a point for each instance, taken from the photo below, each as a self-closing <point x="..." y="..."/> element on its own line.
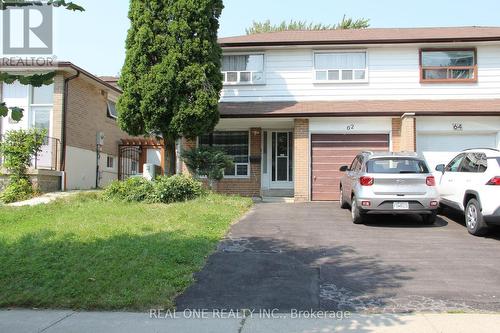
<point x="301" y="159"/>
<point x="86" y="115"/>
<point x="408" y="139"/>
<point x="403" y="134"/>
<point x="250" y="186"/>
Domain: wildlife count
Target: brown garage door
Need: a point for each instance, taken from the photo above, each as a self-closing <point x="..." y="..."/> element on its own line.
<point x="330" y="152"/>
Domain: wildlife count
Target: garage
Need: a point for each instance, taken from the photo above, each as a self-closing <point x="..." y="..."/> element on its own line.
<point x="330" y="151"/>
<point x="439" y="139"/>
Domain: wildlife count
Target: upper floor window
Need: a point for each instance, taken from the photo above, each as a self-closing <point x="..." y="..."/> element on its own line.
<point x="448" y="65"/>
<point x="43" y="95"/>
<point x="243" y="69"/>
<point x="112" y="110"/>
<point x="340" y="67"/>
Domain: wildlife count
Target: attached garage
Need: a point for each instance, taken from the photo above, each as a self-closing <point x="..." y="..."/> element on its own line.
<point x="330" y="151"/>
<point x="439" y="139"/>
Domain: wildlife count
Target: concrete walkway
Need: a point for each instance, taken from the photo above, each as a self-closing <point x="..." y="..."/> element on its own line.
<point x="44" y="198"/>
<point x="17" y="321"/>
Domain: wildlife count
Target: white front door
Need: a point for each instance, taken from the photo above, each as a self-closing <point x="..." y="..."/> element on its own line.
<point x="280" y="144"/>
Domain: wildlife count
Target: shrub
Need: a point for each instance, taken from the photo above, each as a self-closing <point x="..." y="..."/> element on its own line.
<point x="18" y="190"/>
<point x="207" y="161"/>
<point x="175" y="188"/>
<point x="17" y="149"/>
<point x="134" y="189"/>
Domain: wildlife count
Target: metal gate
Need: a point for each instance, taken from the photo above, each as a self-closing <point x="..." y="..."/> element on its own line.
<point x="128" y="164"/>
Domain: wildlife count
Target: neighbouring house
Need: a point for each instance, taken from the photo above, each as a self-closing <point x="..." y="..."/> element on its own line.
<point x="84" y="141"/>
<point x="296" y="105"/>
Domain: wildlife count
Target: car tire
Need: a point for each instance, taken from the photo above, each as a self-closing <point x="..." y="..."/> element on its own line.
<point x="357" y="216"/>
<point x="474" y="220"/>
<point x="429" y="219"/>
<point x="343" y="204"/>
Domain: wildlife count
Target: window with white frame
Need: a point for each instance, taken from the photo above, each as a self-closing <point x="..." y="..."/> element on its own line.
<point x="110" y="162"/>
<point x="112" y="113"/>
<point x="243" y="69"/>
<point x="235" y="144"/>
<point x="41" y="103"/>
<point x="340" y="67"/>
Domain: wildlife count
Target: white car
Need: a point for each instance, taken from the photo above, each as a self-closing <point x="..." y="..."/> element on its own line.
<point x="471" y="184"/>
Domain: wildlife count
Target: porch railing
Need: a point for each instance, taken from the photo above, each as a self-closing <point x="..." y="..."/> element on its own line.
<point x="48" y="158"/>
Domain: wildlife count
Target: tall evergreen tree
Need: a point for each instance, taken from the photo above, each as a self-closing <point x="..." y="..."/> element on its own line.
<point x="171" y="79"/>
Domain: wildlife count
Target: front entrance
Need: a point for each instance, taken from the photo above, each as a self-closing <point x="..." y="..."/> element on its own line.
<point x="278" y="159"/>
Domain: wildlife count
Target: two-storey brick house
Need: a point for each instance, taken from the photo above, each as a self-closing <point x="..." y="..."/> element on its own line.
<point x="297" y="105"/>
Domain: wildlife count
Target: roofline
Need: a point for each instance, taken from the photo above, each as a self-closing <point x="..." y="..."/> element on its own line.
<point x="67" y="64"/>
<point x="360" y="114"/>
<point x="363" y="42"/>
<point x="63" y="65"/>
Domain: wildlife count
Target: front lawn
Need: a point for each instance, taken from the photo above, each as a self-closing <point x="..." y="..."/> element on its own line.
<point x="85" y="253"/>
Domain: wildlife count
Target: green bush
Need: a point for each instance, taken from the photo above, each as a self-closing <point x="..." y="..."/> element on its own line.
<point x="175" y="189"/>
<point x="162" y="190"/>
<point x="134" y="189"/>
<point x="18" y="190"/>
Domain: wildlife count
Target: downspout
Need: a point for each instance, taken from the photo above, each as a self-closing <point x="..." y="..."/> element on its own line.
<point x="63" y="147"/>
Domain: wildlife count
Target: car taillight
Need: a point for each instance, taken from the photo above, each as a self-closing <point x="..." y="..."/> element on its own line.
<point x="430" y="181"/>
<point x="494" y="181"/>
<point x="366" y="181"/>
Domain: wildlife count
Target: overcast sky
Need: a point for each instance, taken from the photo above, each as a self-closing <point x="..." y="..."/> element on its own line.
<point x="95" y="39"/>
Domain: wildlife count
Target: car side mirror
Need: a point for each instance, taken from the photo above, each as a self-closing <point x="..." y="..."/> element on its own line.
<point x="344" y="168"/>
<point x="440" y="168"/>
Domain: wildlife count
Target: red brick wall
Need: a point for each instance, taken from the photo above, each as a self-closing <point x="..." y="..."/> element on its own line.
<point x="242" y="186"/>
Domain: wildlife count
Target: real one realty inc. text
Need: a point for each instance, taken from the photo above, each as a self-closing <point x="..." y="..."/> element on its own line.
<point x="247" y="313"/>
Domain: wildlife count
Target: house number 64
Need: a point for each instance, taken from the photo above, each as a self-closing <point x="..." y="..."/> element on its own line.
<point x="350" y="127"/>
<point x="457" y="127"/>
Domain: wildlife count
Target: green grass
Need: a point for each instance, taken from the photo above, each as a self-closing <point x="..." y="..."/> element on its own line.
<point x="85" y="253"/>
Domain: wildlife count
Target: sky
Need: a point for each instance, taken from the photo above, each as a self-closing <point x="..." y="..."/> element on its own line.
<point x="95" y="39"/>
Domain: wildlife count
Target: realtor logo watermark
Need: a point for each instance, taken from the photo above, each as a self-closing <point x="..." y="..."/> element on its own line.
<point x="28" y="30"/>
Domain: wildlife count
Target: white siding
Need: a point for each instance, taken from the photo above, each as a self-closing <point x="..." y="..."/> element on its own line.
<point x="393" y="74"/>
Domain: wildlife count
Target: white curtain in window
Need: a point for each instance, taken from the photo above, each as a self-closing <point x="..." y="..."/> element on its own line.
<point x="351" y="60"/>
<point x="235" y="63"/>
<point x="43" y="94"/>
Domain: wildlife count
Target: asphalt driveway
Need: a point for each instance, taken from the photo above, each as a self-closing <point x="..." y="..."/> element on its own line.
<point x="310" y="256"/>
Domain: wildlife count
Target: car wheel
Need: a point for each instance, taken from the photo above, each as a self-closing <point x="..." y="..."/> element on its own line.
<point x="357" y="216"/>
<point x="343" y="204"/>
<point x="429" y="219"/>
<point x="474" y="219"/>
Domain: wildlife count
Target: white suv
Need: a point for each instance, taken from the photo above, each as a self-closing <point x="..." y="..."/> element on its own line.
<point x="471" y="184"/>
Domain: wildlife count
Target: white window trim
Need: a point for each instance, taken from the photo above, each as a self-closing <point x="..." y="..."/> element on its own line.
<point x="32" y="106"/>
<point x="113" y="159"/>
<point x="246" y="83"/>
<point x="340" y="80"/>
<point x="107" y="109"/>
<point x="247" y="176"/>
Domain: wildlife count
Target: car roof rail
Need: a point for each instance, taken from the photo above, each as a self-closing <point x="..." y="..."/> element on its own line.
<point x="481" y="148"/>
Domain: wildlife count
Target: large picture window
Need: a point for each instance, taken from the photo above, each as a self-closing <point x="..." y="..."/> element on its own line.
<point x="243" y="69"/>
<point x="448" y="65"/>
<point x="340" y="67"/>
<point x="236" y="145"/>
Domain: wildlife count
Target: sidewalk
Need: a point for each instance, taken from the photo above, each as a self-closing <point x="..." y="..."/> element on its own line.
<point x="17" y="321"/>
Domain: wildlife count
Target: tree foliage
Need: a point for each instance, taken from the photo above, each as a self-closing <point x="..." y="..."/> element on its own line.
<point x="345" y="23"/>
<point x="25" y="3"/>
<point x="18" y="147"/>
<point x="36" y="80"/>
<point x="207" y="162"/>
<point x="171" y="79"/>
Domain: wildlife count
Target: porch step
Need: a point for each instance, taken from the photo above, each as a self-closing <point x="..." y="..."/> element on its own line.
<point x="278" y="199"/>
<point x="279" y="193"/>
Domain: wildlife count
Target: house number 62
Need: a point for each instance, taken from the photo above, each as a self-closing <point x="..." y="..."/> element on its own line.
<point x="350" y="127"/>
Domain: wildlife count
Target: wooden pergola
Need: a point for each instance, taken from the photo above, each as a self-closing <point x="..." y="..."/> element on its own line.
<point x="141" y="145"/>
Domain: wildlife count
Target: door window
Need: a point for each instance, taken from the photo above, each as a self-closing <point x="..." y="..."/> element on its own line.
<point x="473" y="162"/>
<point x="454" y="165"/>
<point x="354" y="164"/>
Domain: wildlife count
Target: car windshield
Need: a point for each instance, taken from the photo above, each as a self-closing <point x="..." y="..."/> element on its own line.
<point x="396" y="165"/>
